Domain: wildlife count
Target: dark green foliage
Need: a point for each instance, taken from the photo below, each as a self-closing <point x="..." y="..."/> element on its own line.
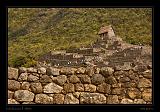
<point x="19" y="61"/>
<point x="33" y="32"/>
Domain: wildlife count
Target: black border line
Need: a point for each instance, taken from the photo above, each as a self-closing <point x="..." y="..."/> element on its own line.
<point x="85" y="7"/>
<point x="107" y="104"/>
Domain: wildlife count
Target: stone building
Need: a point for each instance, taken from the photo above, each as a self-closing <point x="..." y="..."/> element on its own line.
<point x="106" y="31"/>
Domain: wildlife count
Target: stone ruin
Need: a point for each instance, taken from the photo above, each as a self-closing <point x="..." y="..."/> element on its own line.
<point x="110" y="71"/>
<point x="108" y="50"/>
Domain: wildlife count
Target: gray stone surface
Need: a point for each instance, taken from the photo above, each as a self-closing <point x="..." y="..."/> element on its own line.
<point x="42" y="70"/>
<point x="140" y="68"/>
<point x="36" y="74"/>
<point x="92" y="98"/>
<point x="134" y="77"/>
<point x="139" y="101"/>
<point x="129" y="85"/>
<point x="116" y="85"/>
<point x="25" y="85"/>
<point x="54" y="79"/>
<point x="104" y="88"/>
<point x="126" y="101"/>
<point x="31" y="70"/>
<point x="12" y="73"/>
<point x="23" y="95"/>
<point x="76" y="94"/>
<point x="45" y="79"/>
<point x="74" y="79"/>
<point x="143" y="82"/>
<point x="36" y="87"/>
<point x="13" y="85"/>
<point x="97" y="79"/>
<point x="147" y="95"/>
<point x="22" y="69"/>
<point x="70" y="99"/>
<point x="68" y="71"/>
<point x="81" y="70"/>
<point x="12" y="101"/>
<point x="149" y="103"/>
<point x="89" y="87"/>
<point x="58" y="99"/>
<point x="10" y="94"/>
<point x="147" y="74"/>
<point x="90" y="71"/>
<point x="32" y="78"/>
<point x="43" y="99"/>
<point x="52" y="88"/>
<point x="79" y="87"/>
<point x="69" y="87"/>
<point x="118" y="73"/>
<point x="107" y="71"/>
<point x="112" y="99"/>
<point x="97" y="70"/>
<point x="85" y="79"/>
<point x="23" y="77"/>
<point x="134" y="93"/>
<point x="124" y="79"/>
<point x="28" y="103"/>
<point x="118" y="91"/>
<point x="53" y="71"/>
<point x="61" y="79"/>
<point x="111" y="80"/>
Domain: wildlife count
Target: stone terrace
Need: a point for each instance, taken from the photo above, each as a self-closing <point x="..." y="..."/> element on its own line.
<point x="107" y="52"/>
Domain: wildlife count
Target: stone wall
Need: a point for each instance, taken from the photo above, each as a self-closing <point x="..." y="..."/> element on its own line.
<point x="82" y="85"/>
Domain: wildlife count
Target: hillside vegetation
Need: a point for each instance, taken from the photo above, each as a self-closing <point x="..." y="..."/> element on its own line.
<point x="33" y="32"/>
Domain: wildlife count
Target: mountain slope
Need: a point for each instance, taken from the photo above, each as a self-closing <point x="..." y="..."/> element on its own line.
<point x="33" y="32"/>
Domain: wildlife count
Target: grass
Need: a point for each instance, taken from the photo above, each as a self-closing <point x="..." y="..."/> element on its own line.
<point x="33" y="32"/>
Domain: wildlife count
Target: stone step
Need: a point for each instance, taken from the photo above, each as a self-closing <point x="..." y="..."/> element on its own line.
<point x="93" y="54"/>
<point x="67" y="62"/>
<point x="100" y="64"/>
<point x="113" y="50"/>
<point x="85" y="51"/>
<point x="58" y="52"/>
<point x="72" y="50"/>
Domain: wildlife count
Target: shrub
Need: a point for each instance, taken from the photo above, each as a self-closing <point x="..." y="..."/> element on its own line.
<point x="19" y="61"/>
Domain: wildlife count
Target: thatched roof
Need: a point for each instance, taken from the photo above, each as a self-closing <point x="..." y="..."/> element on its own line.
<point x="104" y="29"/>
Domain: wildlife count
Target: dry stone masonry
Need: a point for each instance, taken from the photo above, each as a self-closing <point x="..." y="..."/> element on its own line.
<point x="110" y="71"/>
<point x="79" y="86"/>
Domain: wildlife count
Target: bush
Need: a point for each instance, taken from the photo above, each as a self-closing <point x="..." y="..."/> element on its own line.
<point x="22" y="61"/>
<point x="19" y="61"/>
<point x="30" y="63"/>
